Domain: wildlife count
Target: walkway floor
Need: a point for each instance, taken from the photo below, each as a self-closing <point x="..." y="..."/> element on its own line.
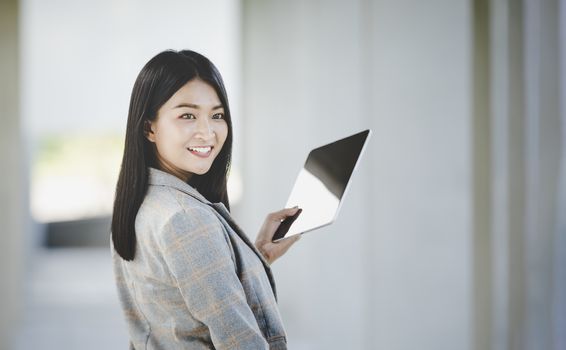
<point x="71" y="302"/>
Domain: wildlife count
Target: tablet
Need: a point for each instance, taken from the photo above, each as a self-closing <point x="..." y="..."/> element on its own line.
<point x="321" y="185"/>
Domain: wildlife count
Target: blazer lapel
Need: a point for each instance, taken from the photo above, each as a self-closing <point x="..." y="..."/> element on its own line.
<point x="161" y="178"/>
<point x="221" y="209"/>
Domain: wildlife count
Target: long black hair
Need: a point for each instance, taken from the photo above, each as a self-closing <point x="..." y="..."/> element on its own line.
<point x="158" y="80"/>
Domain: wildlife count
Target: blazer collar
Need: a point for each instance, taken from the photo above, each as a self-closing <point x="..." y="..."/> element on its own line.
<point x="162" y="178"/>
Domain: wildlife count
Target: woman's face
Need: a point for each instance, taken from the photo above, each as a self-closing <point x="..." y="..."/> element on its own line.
<point x="189" y="130"/>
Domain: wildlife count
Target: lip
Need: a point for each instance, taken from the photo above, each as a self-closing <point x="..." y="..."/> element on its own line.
<point x="211" y="146"/>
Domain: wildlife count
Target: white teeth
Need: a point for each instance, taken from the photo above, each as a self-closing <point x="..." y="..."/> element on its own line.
<point x="201" y="149"/>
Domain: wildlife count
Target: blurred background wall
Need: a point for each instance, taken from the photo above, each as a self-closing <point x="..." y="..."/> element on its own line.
<point x="395" y="271"/>
<point x="69" y="70"/>
<point x="453" y="233"/>
<point x="382" y="268"/>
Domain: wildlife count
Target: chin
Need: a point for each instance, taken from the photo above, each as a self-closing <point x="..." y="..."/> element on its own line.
<point x="201" y="172"/>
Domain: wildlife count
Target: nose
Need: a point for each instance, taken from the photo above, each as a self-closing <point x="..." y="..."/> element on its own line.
<point x="205" y="129"/>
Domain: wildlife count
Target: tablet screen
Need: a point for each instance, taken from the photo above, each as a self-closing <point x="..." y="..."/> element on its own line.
<point x="321" y="185"/>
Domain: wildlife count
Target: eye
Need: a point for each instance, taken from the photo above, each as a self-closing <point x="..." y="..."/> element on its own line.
<point x="218" y="116"/>
<point x="187" y="116"/>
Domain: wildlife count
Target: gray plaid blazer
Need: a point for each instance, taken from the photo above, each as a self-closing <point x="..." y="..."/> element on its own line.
<point x="196" y="282"/>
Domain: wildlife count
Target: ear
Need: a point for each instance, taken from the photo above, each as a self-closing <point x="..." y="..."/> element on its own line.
<point x="148" y="131"/>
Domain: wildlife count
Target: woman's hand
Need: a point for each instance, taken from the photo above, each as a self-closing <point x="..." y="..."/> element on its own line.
<point x="273" y="250"/>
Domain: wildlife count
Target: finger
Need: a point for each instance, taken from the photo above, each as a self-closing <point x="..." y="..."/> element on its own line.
<point x="275" y="222"/>
<point x="284" y="213"/>
<point x="274" y="250"/>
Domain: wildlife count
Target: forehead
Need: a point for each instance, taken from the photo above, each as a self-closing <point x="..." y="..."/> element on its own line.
<point x="195" y="92"/>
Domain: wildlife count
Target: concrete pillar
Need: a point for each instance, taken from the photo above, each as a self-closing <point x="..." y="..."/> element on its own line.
<point x="395" y="270"/>
<point x="482" y="149"/>
<point x="559" y="267"/>
<point x="507" y="125"/>
<point x="12" y="193"/>
<point x="527" y="134"/>
<point x="302" y="74"/>
<point x="543" y="153"/>
<point x="423" y="174"/>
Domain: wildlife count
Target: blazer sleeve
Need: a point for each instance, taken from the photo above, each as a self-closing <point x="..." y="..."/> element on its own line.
<point x="198" y="256"/>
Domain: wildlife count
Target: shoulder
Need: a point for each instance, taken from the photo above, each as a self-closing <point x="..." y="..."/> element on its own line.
<point x="170" y="212"/>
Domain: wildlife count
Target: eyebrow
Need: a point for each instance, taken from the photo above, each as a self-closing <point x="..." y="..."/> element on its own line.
<point x="191" y="105"/>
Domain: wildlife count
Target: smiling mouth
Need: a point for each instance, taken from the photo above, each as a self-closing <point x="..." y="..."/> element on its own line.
<point x="201" y="151"/>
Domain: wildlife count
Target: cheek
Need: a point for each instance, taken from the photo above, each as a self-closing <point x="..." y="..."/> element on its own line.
<point x="222" y="132"/>
<point x="167" y="140"/>
<point x="161" y="148"/>
<point x="169" y="133"/>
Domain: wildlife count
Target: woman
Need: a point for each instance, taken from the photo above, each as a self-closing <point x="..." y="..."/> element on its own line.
<point x="187" y="276"/>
